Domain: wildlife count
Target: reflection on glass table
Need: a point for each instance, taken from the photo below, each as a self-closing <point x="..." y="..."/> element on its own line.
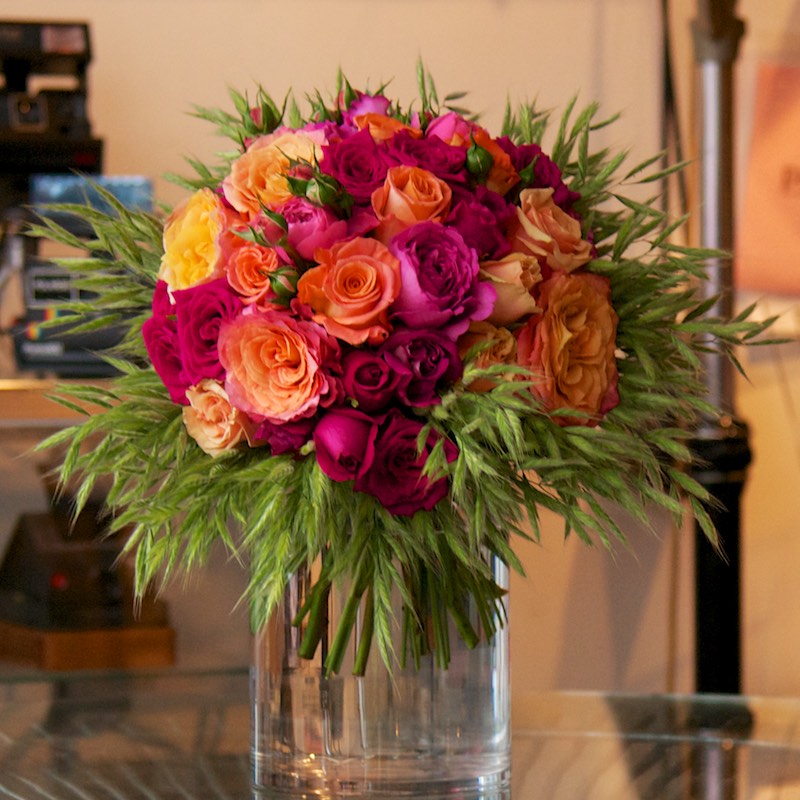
<point x="179" y="735"/>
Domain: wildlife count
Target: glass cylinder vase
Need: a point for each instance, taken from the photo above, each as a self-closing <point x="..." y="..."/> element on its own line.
<point x="418" y="731"/>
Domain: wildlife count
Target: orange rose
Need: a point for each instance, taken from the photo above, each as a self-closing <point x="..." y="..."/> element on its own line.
<point x="351" y="289"/>
<point x="409" y="195"/>
<point x="258" y="177"/>
<point x="249" y="269"/>
<point x="275" y="365"/>
<point x="502" y="176"/>
<point x="513" y="278"/>
<point x="501" y="348"/>
<point x="212" y="421"/>
<point x="548" y="232"/>
<point x="570" y="347"/>
<point x="382" y="128"/>
<point x="196" y="241"/>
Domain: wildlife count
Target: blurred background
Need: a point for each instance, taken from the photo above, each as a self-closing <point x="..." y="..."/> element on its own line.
<point x="582" y="618"/>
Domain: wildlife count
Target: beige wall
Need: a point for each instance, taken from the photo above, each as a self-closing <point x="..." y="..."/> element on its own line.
<point x="582" y="619"/>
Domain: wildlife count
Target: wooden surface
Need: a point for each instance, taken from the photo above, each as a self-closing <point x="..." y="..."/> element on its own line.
<point x="114" y="648"/>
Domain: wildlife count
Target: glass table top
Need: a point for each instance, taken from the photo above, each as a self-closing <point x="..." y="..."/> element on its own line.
<point x="176" y="735"/>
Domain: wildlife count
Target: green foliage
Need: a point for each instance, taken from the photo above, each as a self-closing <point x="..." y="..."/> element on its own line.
<point x="278" y="514"/>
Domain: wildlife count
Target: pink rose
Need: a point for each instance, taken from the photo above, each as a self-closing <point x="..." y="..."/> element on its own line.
<point x="451" y="128"/>
<point x="311" y="227"/>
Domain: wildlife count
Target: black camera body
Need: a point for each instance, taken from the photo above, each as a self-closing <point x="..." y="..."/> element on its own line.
<point x="44" y="123"/>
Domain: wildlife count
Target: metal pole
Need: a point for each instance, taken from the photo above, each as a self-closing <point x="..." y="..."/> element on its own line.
<point x="721" y="446"/>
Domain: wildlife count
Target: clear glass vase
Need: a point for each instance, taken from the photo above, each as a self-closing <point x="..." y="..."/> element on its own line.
<point x="417" y="732"/>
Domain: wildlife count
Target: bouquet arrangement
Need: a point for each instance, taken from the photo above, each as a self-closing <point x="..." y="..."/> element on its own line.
<point x="384" y="338"/>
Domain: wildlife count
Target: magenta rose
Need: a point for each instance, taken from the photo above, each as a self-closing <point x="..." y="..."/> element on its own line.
<point x="311" y="227"/>
<point x="160" y="334"/>
<point x="286" y="438"/>
<point x="543" y="170"/>
<point x="200" y="311"/>
<point x="439" y="280"/>
<point x="395" y="476"/>
<point x="369" y="380"/>
<point x="358" y="163"/>
<point x="481" y="219"/>
<point x="426" y="361"/>
<point x="432" y="154"/>
<point x="162" y="303"/>
<point x="344" y="439"/>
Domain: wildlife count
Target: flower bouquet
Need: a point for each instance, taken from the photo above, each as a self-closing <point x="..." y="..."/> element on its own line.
<point x="381" y="340"/>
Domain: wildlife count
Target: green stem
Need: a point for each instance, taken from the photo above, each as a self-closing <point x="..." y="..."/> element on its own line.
<point x="367" y="629"/>
<point x="333" y="661"/>
<point x="317" y="610"/>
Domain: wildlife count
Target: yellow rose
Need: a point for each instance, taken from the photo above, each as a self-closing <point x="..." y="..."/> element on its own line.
<point x="501" y="348"/>
<point x="212" y="421"/>
<point x="547" y="232"/>
<point x="194" y="237"/>
<point x="258" y="177"/>
<point x="513" y="278"/>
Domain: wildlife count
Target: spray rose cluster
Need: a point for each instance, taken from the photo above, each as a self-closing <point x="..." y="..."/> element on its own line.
<point x="325" y="294"/>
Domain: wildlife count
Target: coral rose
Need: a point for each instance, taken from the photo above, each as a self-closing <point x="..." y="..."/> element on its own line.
<point x="258" y="177"/>
<point x="502" y="175"/>
<point x="570" y="347"/>
<point x="351" y="289"/>
<point x="196" y="241"/>
<point x="212" y="421"/>
<point x="382" y="127"/>
<point x="249" y="270"/>
<point x="513" y="278"/>
<point x="547" y="232"/>
<point x="409" y="195"/>
<point x="278" y="368"/>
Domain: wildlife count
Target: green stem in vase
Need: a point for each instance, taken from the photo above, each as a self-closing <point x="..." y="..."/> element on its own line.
<point x="333" y="661"/>
<point x="316" y="608"/>
<point x="365" y="639"/>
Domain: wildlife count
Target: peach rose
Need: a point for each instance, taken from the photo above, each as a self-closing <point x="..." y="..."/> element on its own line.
<point x="513" y="278"/>
<point x="501" y="348"/>
<point x="409" y="195"/>
<point x="383" y="128"/>
<point x="196" y="242"/>
<point x="249" y="270"/>
<point x="276" y="366"/>
<point x="351" y="289"/>
<point x="258" y="177"/>
<point x="570" y="347"/>
<point x="549" y="233"/>
<point x="502" y="176"/>
<point x="212" y="421"/>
